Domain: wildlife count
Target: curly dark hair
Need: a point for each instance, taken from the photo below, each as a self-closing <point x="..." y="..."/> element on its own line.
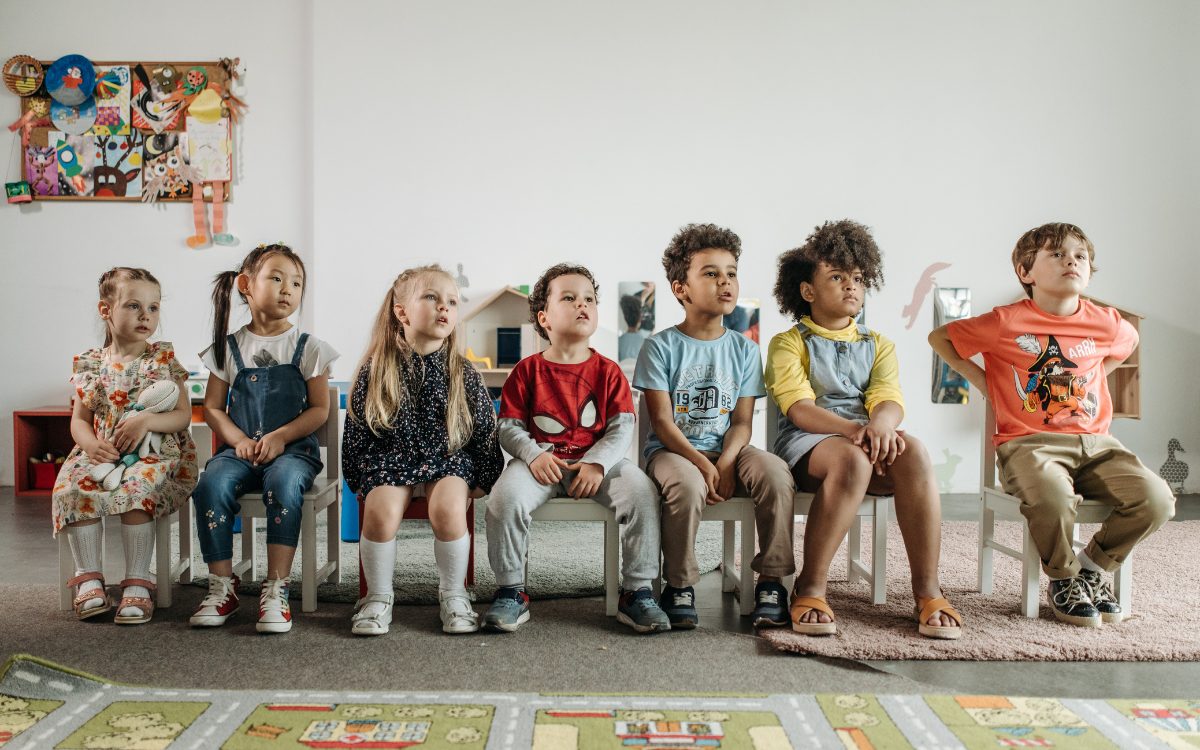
<point x="541" y="290"/>
<point x="842" y="244"/>
<point x="691" y="239"/>
<point x="631" y="310"/>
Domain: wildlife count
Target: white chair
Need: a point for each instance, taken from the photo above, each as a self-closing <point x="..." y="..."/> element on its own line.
<point x="324" y="495"/>
<point x="570" y="509"/>
<point x="733" y="511"/>
<point x="165" y="573"/>
<point x="996" y="504"/>
<point x="877" y="508"/>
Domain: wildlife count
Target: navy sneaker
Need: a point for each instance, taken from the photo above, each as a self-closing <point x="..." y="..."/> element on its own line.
<point x="770" y="605"/>
<point x="1072" y="603"/>
<point x="1102" y="596"/>
<point x="680" y="606"/>
<point x="638" y="610"/>
<point x="508" y="611"/>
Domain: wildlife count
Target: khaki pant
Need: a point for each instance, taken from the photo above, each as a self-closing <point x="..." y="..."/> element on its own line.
<point x="762" y="476"/>
<point x="1051" y="473"/>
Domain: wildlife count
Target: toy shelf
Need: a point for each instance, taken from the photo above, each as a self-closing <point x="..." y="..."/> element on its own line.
<point x="37" y="431"/>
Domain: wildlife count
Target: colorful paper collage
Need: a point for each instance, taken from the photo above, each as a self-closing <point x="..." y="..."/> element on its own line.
<point x="112" y="101"/>
<point x="76" y="158"/>
<point x="209" y="149"/>
<point x="148" y="113"/>
<point x="164" y="171"/>
<point x="41" y="169"/>
<point x="118" y="165"/>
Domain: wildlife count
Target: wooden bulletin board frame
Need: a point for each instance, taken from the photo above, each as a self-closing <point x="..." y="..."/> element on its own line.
<point x="39" y="136"/>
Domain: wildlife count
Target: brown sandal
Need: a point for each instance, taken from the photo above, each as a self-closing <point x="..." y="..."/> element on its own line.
<point x="927" y="608"/>
<point x="146" y="604"/>
<point x="802" y="605"/>
<point x="81" y="599"/>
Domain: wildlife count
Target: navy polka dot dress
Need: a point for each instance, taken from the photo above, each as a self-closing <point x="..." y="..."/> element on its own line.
<point x="416" y="449"/>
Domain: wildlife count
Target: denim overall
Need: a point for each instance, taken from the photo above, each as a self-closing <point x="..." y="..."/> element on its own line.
<point x="261" y="399"/>
<point x="839" y="373"/>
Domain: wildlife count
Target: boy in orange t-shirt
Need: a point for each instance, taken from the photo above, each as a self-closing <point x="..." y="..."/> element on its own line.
<point x="1045" y="365"/>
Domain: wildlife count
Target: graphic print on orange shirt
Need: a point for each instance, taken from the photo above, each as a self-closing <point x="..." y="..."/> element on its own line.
<point x="1051" y="384"/>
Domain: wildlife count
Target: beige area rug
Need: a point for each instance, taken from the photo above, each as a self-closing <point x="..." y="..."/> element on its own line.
<point x="1164" y="625"/>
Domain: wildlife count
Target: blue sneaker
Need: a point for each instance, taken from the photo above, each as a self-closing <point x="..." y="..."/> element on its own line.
<point x="508" y="611"/>
<point x="638" y="610"/>
<point x="680" y="606"/>
<point x="770" y="605"/>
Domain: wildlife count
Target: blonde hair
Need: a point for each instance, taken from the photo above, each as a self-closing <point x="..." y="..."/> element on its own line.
<point x="1050" y="236"/>
<point x="395" y="374"/>
<point x="110" y="283"/>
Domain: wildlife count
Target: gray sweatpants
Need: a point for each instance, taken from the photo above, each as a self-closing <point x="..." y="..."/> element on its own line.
<point x="625" y="489"/>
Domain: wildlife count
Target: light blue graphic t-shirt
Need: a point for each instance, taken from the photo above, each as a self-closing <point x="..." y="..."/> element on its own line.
<point x="705" y="380"/>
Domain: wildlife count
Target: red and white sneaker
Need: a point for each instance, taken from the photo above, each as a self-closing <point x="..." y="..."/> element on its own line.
<point x="221" y="602"/>
<point x="274" y="612"/>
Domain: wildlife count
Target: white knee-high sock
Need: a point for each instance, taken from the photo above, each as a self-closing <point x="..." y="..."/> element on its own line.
<point x="1088" y="563"/>
<point x="452" y="558"/>
<point x="379" y="565"/>
<point x="139" y="544"/>
<point x="86" y="545"/>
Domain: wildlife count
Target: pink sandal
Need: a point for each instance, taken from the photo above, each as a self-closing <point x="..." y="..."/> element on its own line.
<point x="146" y="604"/>
<point x="81" y="599"/>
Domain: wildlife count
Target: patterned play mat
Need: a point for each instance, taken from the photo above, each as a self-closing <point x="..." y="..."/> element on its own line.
<point x="43" y="705"/>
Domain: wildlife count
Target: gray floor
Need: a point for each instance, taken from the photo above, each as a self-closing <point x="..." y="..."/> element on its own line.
<point x="577" y="648"/>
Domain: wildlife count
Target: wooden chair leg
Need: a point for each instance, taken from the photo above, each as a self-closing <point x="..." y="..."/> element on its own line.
<point x="162" y="559"/>
<point x="612" y="536"/>
<point x="879" y="552"/>
<point x="187" y="558"/>
<point x="854" y="549"/>
<point x="987" y="530"/>
<point x="308" y="558"/>
<point x="333" y="541"/>
<point x="1031" y="565"/>
<point x="249" y="550"/>
<point x="746" y="589"/>
<point x="728" y="578"/>
<point x="66" y="571"/>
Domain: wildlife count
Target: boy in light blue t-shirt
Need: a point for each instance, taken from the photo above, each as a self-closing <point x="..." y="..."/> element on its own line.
<point x="700" y="382"/>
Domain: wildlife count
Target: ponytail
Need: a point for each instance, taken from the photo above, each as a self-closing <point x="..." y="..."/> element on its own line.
<point x="221" y="298"/>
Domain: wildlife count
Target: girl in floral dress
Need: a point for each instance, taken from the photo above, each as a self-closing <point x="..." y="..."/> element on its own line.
<point x="107" y="382"/>
<point x="419" y="414"/>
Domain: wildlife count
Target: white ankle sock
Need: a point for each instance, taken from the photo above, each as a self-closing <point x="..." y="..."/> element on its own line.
<point x="86" y="543"/>
<point x="139" y="543"/>
<point x="1087" y="562"/>
<point x="452" y="558"/>
<point x="379" y="565"/>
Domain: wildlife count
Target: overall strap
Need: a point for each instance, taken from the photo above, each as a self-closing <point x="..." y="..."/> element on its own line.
<point x="231" y="343"/>
<point x="299" y="350"/>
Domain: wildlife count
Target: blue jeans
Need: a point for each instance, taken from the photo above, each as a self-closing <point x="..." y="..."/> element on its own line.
<point x="226" y="477"/>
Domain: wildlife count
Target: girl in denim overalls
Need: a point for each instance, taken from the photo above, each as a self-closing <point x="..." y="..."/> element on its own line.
<point x="267" y="394"/>
<point x="837" y="386"/>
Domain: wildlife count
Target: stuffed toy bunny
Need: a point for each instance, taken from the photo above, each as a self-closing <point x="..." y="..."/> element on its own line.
<point x="159" y="396"/>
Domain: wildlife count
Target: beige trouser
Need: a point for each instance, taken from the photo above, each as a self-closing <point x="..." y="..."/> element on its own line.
<point x="760" y="475"/>
<point x="1051" y="473"/>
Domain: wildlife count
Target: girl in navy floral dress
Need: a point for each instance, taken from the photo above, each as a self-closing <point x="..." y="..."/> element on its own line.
<point x="418" y="414"/>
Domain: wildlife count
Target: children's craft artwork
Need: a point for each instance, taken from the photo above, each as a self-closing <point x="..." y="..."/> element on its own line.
<point x="151" y="109"/>
<point x="924" y="286"/>
<point x="75" y="161"/>
<point x="73" y="119"/>
<point x="209" y="151"/>
<point x="112" y="101"/>
<point x="165" y="172"/>
<point x="118" y="167"/>
<point x="71" y="80"/>
<point x="41" y="169"/>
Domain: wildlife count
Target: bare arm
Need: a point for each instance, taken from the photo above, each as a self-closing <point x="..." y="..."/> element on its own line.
<point x="97" y="449"/>
<point x="663" y="422"/>
<point x="939" y="339"/>
<point x="215" y="398"/>
<point x="809" y="417"/>
<point x="738" y="435"/>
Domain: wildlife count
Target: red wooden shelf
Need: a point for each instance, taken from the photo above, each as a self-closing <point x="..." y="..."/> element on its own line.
<point x="37" y="431"/>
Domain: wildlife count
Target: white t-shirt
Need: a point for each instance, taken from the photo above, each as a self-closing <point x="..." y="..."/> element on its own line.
<point x="265" y="351"/>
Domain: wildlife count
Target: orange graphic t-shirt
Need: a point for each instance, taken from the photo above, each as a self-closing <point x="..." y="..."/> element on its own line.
<point x="1045" y="373"/>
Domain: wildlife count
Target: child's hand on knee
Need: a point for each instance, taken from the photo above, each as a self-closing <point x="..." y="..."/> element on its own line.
<point x="587" y="481"/>
<point x="268" y="449"/>
<point x="712" y="480"/>
<point x="547" y="468"/>
<point x="245" y="449"/>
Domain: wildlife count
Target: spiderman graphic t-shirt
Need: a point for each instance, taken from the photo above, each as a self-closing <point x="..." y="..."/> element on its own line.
<point x="1045" y="373"/>
<point x="567" y="407"/>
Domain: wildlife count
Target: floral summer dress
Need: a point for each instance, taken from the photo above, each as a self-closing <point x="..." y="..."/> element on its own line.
<point x="158" y="483"/>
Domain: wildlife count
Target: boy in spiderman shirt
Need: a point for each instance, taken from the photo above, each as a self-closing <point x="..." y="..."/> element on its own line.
<point x="566" y="417"/>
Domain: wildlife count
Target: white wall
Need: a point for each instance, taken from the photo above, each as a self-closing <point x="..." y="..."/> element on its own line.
<point x="511" y="136"/>
<point x="54" y="252"/>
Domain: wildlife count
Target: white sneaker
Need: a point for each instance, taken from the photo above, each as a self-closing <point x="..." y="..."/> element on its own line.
<point x="274" y="612"/>
<point x="457" y="614"/>
<point x="221" y="602"/>
<point x="372" y="614"/>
